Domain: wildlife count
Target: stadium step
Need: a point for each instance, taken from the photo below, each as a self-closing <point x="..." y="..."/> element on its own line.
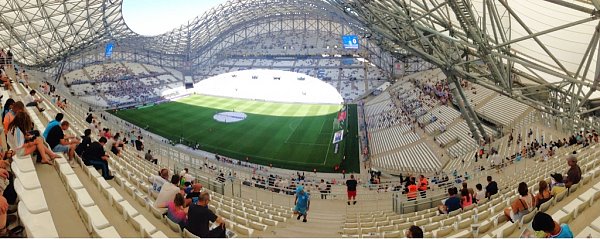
<point x="63" y="211"/>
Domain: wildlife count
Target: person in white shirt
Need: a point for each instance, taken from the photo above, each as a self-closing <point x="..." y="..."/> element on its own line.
<point x="185" y="175"/>
<point x="168" y="192"/>
<point x="480" y="194"/>
<point x="323" y="189"/>
<point x="159" y="180"/>
<point x="33" y="101"/>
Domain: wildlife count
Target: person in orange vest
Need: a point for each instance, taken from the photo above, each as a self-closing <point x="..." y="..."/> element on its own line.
<point x="412" y="190"/>
<point x="423" y="185"/>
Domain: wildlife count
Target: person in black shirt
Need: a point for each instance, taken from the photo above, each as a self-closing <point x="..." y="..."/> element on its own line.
<point x="59" y="143"/>
<point x="351" y="189"/>
<point x="139" y="145"/>
<point x="199" y="217"/>
<point x="96" y="156"/>
<point x="86" y="141"/>
<point x="491" y="188"/>
<point x="90" y="118"/>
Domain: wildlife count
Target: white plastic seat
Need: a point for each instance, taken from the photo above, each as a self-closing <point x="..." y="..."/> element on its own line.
<point x="127" y="209"/>
<point x="174" y="226"/>
<point x="157" y="212"/>
<point x="24" y="163"/>
<point x="243" y="230"/>
<point x="83" y="198"/>
<point x="143" y="225"/>
<point x="588" y="232"/>
<point x="95" y="219"/>
<point x="157" y="234"/>
<point x="113" y="196"/>
<point x="29" y="180"/>
<point x="108" y="232"/>
<point x="94" y="173"/>
<point x="33" y="199"/>
<point x="37" y="225"/>
<point x="60" y="160"/>
<point x="73" y="181"/>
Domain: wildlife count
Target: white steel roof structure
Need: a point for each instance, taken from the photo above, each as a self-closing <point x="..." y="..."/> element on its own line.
<point x="39" y="31"/>
<point x="540" y="52"/>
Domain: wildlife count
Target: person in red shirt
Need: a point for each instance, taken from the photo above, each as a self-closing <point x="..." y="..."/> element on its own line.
<point x="423" y="185"/>
<point x="412" y="190"/>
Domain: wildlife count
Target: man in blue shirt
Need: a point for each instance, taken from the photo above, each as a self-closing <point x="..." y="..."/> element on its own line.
<point x="452" y="203"/>
<point x="51" y="124"/>
<point x="302" y="202"/>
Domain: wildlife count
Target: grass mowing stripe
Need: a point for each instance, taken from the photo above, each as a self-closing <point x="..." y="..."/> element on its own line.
<point x="261" y="136"/>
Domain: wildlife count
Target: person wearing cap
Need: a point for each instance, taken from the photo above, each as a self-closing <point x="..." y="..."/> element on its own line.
<point x="302" y="203"/>
<point x="557" y="186"/>
<point x="574" y="173"/>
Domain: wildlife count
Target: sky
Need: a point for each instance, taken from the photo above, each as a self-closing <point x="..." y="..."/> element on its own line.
<point x="154" y="17"/>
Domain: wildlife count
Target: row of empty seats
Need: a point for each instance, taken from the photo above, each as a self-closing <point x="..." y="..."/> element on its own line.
<point x="391" y="139"/>
<point x="417" y="158"/>
<point x="503" y="110"/>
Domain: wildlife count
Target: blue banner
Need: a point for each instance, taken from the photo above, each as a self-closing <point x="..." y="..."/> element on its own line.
<point x="109" y="49"/>
<point x="350" y="41"/>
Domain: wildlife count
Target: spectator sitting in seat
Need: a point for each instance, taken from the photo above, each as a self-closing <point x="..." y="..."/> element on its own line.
<point x="159" y="180"/>
<point x="414" y="232"/>
<point x="543" y="194"/>
<point x="574" y="173"/>
<point x="113" y="145"/>
<point x="86" y="141"/>
<point x="452" y="203"/>
<point x="150" y="158"/>
<point x="466" y="197"/>
<point x="480" y="194"/>
<point x="176" y="211"/>
<point x="522" y="205"/>
<point x="199" y="217"/>
<point x="192" y="197"/>
<point x="186" y="176"/>
<point x="491" y="188"/>
<point x="549" y="228"/>
<point x="139" y="144"/>
<point x="7" y="110"/>
<point x="9" y="115"/>
<point x="57" y="119"/>
<point x="62" y="144"/>
<point x="168" y="191"/>
<point x="24" y="141"/>
<point x="34" y="101"/>
<point x="97" y="157"/>
<point x="5" y="219"/>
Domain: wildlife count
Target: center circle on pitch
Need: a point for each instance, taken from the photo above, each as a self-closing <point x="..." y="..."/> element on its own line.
<point x="229" y="117"/>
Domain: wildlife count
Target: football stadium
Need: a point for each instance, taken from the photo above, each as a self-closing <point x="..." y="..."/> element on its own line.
<point x="300" y="118"/>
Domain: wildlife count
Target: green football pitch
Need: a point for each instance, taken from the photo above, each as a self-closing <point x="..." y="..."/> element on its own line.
<point x="286" y="135"/>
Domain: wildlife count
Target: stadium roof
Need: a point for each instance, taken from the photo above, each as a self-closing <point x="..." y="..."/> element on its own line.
<point x="40" y="31"/>
<point x="543" y="53"/>
<point x="539" y="52"/>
